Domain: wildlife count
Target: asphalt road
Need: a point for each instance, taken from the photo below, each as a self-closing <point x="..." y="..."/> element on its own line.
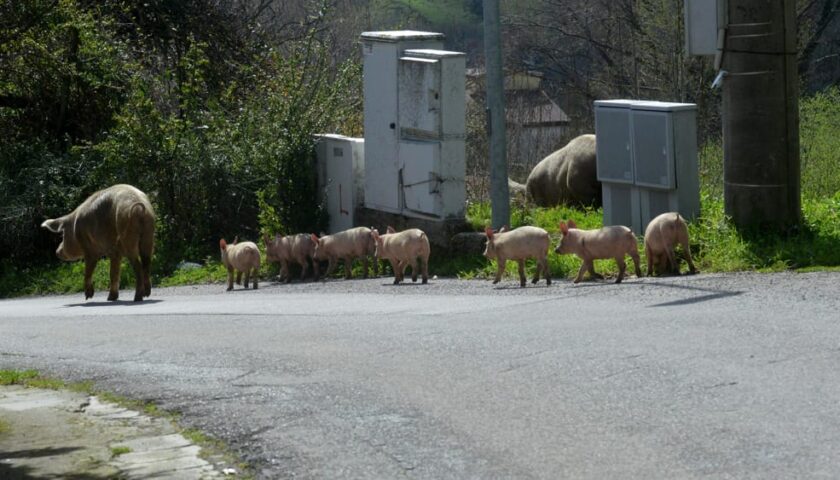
<point x="722" y="376"/>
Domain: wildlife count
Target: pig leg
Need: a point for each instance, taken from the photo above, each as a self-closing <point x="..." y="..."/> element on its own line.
<point x="230" y="278"/>
<point x="114" y="287"/>
<point x="331" y="267"/>
<point x="304" y="269"/>
<point x="256" y="278"/>
<point x="394" y="264"/>
<point x="375" y="266"/>
<point x="521" y="263"/>
<point x="414" y="269"/>
<point x="544" y="264"/>
<point x="146" y="248"/>
<point x="590" y="265"/>
<point x="583" y="269"/>
<point x="348" y="268"/>
<point x="90" y="265"/>
<point x="537" y="274"/>
<point x="247" y="276"/>
<point x="425" y="269"/>
<point x="137" y="266"/>
<point x="673" y="266"/>
<point x="315" y="268"/>
<point x="500" y="269"/>
<point x="687" y="253"/>
<point x="649" y="256"/>
<point x="622" y="267"/>
<point x="239" y="278"/>
<point x="635" y="256"/>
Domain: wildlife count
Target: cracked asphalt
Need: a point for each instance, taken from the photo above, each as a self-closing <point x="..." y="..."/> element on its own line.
<point x="724" y="375"/>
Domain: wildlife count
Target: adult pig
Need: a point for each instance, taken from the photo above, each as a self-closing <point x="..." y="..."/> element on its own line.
<point x="567" y="176"/>
<point x="298" y="248"/>
<point x="403" y="249"/>
<point x="244" y="258"/>
<point x="115" y="222"/>
<point x="519" y="244"/>
<point x="662" y="234"/>
<point x="607" y="242"/>
<point x="348" y="244"/>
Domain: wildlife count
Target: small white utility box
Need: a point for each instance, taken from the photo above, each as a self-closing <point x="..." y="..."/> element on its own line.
<point x="381" y="52"/>
<point x="341" y="173"/>
<point x="646" y="160"/>
<point x="704" y="19"/>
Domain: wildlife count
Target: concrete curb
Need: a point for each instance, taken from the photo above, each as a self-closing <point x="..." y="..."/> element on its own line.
<point x="64" y="434"/>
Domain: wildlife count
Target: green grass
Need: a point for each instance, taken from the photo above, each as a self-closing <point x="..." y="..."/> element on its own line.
<point x="4" y="427"/>
<point x="119" y="450"/>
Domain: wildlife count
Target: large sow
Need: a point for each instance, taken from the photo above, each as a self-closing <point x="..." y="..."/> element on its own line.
<point x="567" y="176"/>
<point x="115" y="222"/>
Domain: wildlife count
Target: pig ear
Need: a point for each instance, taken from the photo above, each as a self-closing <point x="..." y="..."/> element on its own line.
<point x="266" y="239"/>
<point x="54" y="225"/>
<point x="572" y="224"/>
<point x="489" y="232"/>
<point x="503" y="229"/>
<point x="314" y="238"/>
<point x="564" y="229"/>
<point x="375" y="234"/>
<point x="235" y="239"/>
<point x="222" y="244"/>
<point x="390" y="230"/>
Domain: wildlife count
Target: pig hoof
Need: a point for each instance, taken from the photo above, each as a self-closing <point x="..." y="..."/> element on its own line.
<point x="229" y="289"/>
<point x="548" y="281"/>
<point x="137" y="298"/>
<point x="114" y="295"/>
<point x="425" y="281"/>
<point x="618" y="280"/>
<point x="495" y="282"/>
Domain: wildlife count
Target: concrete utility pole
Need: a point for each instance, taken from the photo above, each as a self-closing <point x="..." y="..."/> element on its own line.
<point x="761" y="115"/>
<point x="494" y="80"/>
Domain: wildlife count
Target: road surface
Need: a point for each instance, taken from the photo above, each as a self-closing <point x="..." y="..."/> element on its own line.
<point x="731" y="376"/>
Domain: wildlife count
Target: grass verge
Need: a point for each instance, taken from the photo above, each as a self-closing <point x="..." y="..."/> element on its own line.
<point x="211" y="448"/>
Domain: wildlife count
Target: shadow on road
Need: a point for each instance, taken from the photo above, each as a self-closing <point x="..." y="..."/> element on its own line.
<point x="124" y="303"/>
<point x="713" y="294"/>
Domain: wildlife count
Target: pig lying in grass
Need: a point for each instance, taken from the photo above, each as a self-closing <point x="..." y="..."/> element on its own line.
<point x="118" y="222"/>
<point x="519" y="244"/>
<point x="291" y="248"/>
<point x="244" y="258"/>
<point x="349" y="244"/>
<point x="608" y="242"/>
<point x="403" y="249"/>
<point x="662" y="234"/>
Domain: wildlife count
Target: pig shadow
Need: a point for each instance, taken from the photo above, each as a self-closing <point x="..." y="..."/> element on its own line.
<point x="517" y="287"/>
<point x="712" y="294"/>
<point x="123" y="303"/>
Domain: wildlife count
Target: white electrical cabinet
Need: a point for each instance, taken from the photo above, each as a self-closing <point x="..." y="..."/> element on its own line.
<point x="381" y="52"/>
<point x="341" y="173"/>
<point x="646" y="160"/>
<point x="415" y="125"/>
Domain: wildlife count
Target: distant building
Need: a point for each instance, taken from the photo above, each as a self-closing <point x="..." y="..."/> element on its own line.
<point x="536" y="125"/>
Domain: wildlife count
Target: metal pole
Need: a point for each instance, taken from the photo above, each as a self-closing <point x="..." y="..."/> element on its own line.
<point x="499" y="195"/>
<point x="761" y="115"/>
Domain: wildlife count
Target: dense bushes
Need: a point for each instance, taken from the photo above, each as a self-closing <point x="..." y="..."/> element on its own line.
<point x="221" y="150"/>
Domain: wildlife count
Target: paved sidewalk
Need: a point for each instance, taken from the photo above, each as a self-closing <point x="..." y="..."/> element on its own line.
<point x="64" y="434"/>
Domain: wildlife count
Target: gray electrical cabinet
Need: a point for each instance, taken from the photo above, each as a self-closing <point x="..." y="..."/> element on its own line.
<point x="704" y="20"/>
<point x="415" y="125"/>
<point x="646" y="160"/>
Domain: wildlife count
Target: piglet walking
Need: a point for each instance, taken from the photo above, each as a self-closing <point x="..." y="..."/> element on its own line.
<point x="519" y="244"/>
<point x="662" y="234"/>
<point x="403" y="249"/>
<point x="590" y="245"/>
<point x="244" y="258"/>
